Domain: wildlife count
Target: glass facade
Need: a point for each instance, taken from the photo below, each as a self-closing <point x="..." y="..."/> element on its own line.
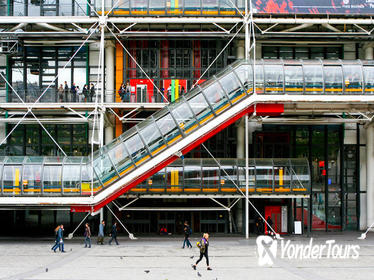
<point x="32" y="140"/>
<point x="333" y="165"/>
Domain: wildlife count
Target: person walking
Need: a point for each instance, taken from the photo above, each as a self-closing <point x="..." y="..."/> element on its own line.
<point x="56" y="240"/>
<point x="87" y="236"/>
<point x="187" y="232"/>
<point x="60" y="238"/>
<point x="269" y="223"/>
<point x="92" y="92"/>
<point x="85" y="93"/>
<point x="127" y="90"/>
<point x="203" y="245"/>
<point x="113" y="234"/>
<point x="66" y="91"/>
<point x="60" y="92"/>
<point x="100" y="237"/>
<point x="73" y="91"/>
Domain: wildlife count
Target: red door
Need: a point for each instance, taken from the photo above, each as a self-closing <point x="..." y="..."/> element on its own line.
<point x="274" y="212"/>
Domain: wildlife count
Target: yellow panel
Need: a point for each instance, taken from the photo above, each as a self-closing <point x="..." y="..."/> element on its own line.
<point x="176" y="89"/>
<point x="16" y="177"/>
<point x="281" y="177"/>
<point x="175" y="139"/>
<point x="176" y="178"/>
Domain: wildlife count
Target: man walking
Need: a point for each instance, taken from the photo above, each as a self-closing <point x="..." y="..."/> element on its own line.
<point x="114" y="234"/>
<point x="187" y="232"/>
<point x="87" y="236"/>
<point x="66" y="91"/>
<point x="100" y="237"/>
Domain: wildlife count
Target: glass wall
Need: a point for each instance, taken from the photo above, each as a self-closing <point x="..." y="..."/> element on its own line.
<point x="32" y="140"/>
<point x="333" y="171"/>
<point x="33" y="72"/>
<point x="46" y="8"/>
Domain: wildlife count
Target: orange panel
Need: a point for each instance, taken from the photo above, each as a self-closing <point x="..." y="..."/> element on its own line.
<point x="118" y="127"/>
<point x="119" y="70"/>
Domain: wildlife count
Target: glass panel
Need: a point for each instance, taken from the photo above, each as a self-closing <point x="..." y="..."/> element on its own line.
<point x="192" y="5"/>
<point x="369" y="79"/>
<point x="210" y="7"/>
<point x="152" y="138"/>
<point x="136" y="149"/>
<point x="52" y="179"/>
<point x="318" y="205"/>
<point x="333" y="79"/>
<point x="228" y="173"/>
<point x="31" y="181"/>
<point x="274" y="78"/>
<point x="232" y="87"/>
<point x="168" y="129"/>
<point x="86" y="170"/>
<point x="192" y="173"/>
<point x="293" y="79"/>
<point x="120" y="158"/>
<point x="264" y="173"/>
<point x="201" y="108"/>
<point x="210" y="174"/>
<point x="104" y="169"/>
<point x="241" y="173"/>
<point x="259" y="74"/>
<point x="184" y="117"/>
<point x="71" y="178"/>
<point x="158" y="179"/>
<point x="352" y="78"/>
<point x="244" y="72"/>
<point x="156" y="5"/>
<point x="313" y="78"/>
<point x="216" y="97"/>
<point x="12" y="179"/>
<point x="139" y="5"/>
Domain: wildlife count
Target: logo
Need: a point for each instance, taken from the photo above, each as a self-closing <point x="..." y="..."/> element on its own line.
<point x="267" y="248"/>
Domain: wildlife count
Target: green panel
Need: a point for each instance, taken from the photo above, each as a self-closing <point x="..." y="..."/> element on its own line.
<point x="172" y="93"/>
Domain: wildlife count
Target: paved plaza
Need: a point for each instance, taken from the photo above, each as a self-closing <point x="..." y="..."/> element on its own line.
<point x="163" y="258"/>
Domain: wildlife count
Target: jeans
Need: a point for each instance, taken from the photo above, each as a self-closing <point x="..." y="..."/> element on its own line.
<point x="57" y="245"/>
<point x="62" y="246"/>
<point x="113" y="238"/>
<point x="186" y="240"/>
<point x="87" y="241"/>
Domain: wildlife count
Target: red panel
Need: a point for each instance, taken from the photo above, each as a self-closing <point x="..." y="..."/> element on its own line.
<point x="197" y="59"/>
<point x="132" y="64"/>
<point x="134" y="82"/>
<point x="275" y="213"/>
<point x="164" y="59"/>
<point x="269" y="109"/>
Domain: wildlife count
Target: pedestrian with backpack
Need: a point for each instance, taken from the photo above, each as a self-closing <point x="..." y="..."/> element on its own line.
<point x="187" y="232"/>
<point x="203" y="245"/>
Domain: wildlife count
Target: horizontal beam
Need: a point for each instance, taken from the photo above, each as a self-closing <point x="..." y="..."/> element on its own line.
<point x="174" y="209"/>
<point x="314" y="121"/>
<point x="63" y="120"/>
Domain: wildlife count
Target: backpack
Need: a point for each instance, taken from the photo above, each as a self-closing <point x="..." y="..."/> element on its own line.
<point x="189" y="231"/>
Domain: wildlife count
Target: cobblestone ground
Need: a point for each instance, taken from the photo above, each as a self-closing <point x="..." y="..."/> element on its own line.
<point x="163" y="258"/>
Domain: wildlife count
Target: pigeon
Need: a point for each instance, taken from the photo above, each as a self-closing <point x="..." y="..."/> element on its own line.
<point x="198" y="274"/>
<point x="46" y="270"/>
<point x="146" y="271"/>
<point x="120" y="258"/>
<point x="71" y="249"/>
<point x="191" y="257"/>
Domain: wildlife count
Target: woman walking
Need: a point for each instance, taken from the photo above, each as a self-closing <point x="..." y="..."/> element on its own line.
<point x="87" y="236"/>
<point x="203" y="245"/>
<point x="57" y="241"/>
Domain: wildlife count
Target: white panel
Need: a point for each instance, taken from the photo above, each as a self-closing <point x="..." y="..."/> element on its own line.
<point x="2" y="60"/>
<point x="284" y="219"/>
<point x="362" y="168"/>
<point x="349" y="51"/>
<point x="350" y="137"/>
<point x="362" y="135"/>
<point x="363" y="223"/>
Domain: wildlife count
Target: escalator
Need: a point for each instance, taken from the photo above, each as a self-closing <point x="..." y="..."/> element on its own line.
<point x="175" y="130"/>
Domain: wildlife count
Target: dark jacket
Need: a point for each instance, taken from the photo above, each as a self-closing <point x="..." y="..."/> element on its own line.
<point x="114" y="231"/>
<point x="85" y="92"/>
<point x="187" y="231"/>
<point x="60" y="234"/>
